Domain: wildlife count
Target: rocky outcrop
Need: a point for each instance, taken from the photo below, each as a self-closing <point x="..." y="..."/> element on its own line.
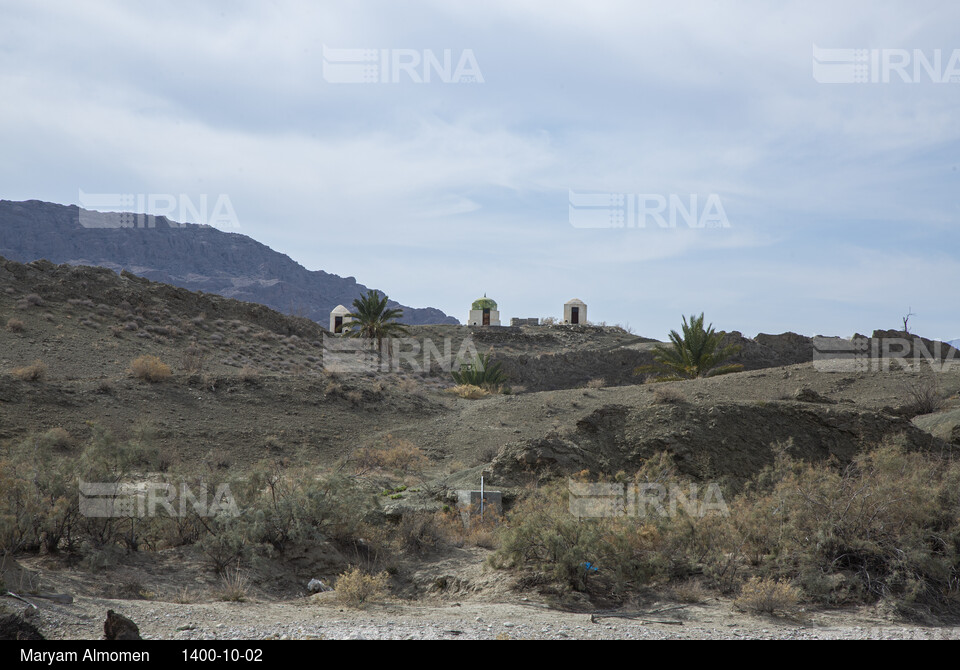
<point x="729" y="442"/>
<point x="119" y="627"/>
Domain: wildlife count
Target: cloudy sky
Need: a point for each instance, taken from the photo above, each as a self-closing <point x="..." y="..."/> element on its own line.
<point x="829" y="205"/>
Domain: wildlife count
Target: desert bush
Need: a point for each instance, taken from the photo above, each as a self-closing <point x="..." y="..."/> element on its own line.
<point x="597" y="383"/>
<point x="35" y="372"/>
<point x="469" y="392"/>
<point x="149" y="368"/>
<point x="422" y="532"/>
<point x="541" y="534"/>
<point x="884" y="528"/>
<point x="225" y="543"/>
<point x="689" y="591"/>
<point x="664" y="395"/>
<point x="887" y="527"/>
<point x="191" y="361"/>
<point x="355" y="588"/>
<point x="926" y="397"/>
<point x="768" y="596"/>
<point x="289" y="506"/>
<point x="234" y="586"/>
<point x="397" y="454"/>
<point x="249" y="375"/>
<point x="15" y="325"/>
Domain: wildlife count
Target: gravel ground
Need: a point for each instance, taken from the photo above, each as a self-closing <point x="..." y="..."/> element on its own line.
<point x="314" y="619"/>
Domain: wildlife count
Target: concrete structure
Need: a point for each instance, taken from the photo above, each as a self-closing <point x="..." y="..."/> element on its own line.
<point x="468" y="502"/>
<point x="575" y="312"/>
<point x="533" y="321"/>
<point x="484" y="312"/>
<point x="339" y="318"/>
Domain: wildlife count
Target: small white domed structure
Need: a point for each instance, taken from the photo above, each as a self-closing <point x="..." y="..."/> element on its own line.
<point x="483" y="312"/>
<point x="575" y="312"/>
<point x="339" y="319"/>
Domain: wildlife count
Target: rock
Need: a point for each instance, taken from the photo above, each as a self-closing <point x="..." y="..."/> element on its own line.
<point x="119" y="627"/>
<point x="317" y="586"/>
<point x="809" y="395"/>
<point x="13" y="627"/>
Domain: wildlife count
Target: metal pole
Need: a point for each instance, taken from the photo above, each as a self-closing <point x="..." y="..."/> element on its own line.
<point x="481" y="497"/>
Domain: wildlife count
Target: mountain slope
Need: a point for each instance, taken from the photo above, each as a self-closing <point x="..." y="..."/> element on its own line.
<point x="199" y="258"/>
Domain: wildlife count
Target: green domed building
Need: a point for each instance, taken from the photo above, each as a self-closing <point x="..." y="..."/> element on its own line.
<point x="483" y="312"/>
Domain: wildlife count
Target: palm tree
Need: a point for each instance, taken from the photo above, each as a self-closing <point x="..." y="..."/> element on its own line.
<point x="697" y="353"/>
<point x="372" y="319"/>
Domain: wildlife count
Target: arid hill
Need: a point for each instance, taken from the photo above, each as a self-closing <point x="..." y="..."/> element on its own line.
<point x="200" y="258"/>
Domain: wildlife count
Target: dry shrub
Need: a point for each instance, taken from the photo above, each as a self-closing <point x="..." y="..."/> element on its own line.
<point x="35" y="372"/>
<point x="249" y="375"/>
<point x="149" y="368"/>
<point x="57" y="438"/>
<point x="483" y="534"/>
<point x="597" y="383"/>
<point x="356" y="588"/>
<point x="422" y="532"/>
<point x="234" y="586"/>
<point x="666" y="395"/>
<point x="469" y="392"/>
<point x="397" y="454"/>
<point x="926" y="397"/>
<point x="191" y="361"/>
<point x="768" y="596"/>
<point x="15" y="325"/>
<point x="689" y="591"/>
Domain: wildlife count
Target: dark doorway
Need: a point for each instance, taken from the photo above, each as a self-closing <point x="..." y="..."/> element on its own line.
<point x="337" y="324"/>
<point x="486" y="317"/>
<point x="574" y="315"/>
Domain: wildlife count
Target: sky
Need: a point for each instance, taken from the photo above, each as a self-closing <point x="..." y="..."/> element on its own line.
<point x="787" y="166"/>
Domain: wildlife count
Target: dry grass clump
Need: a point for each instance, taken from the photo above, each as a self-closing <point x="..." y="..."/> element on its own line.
<point x="249" y="374"/>
<point x="234" y="586"/>
<point x="35" y="372"/>
<point x="690" y="591"/>
<point x="469" y="392"/>
<point x="768" y="596"/>
<point x="597" y="383"/>
<point x="356" y="588"/>
<point x="15" y="325"/>
<point x="397" y="454"/>
<point x="666" y="395"/>
<point x="192" y="360"/>
<point x="150" y="369"/>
